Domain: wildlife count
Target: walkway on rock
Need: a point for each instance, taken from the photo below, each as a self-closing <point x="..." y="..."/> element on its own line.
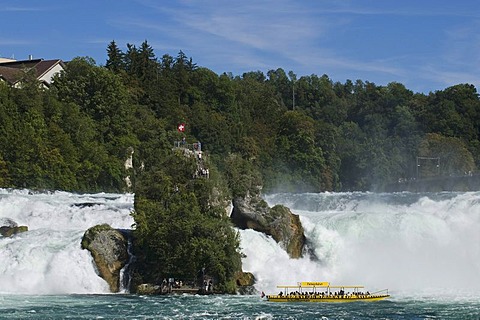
<point x="194" y="149"/>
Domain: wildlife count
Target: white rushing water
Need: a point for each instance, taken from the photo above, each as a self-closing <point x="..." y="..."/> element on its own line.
<point x="48" y="259"/>
<point x="413" y="244"/>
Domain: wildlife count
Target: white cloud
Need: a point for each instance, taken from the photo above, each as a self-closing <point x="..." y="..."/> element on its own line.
<point x="302" y="36"/>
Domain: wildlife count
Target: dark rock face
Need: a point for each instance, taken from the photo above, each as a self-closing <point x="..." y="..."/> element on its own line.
<point x="245" y="283"/>
<point x="278" y="222"/>
<point x="245" y="279"/>
<point x="8" y="227"/>
<point x="108" y="247"/>
<point x="8" y="231"/>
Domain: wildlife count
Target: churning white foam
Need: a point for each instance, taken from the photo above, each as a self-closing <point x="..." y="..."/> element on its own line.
<point x="409" y="243"/>
<point x="48" y="258"/>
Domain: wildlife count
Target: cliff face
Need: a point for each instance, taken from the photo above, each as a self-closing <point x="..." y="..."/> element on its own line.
<point x="279" y="222"/>
<point x="108" y="247"/>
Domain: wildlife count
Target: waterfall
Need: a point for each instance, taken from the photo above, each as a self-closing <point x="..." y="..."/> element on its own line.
<point x="48" y="258"/>
<point x="126" y="272"/>
<point x="411" y="243"/>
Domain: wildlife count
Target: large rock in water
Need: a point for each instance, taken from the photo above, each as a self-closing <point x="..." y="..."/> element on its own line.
<point x="108" y="247"/>
<point x="7" y="231"/>
<point x="148" y="289"/>
<point x="244" y="279"/>
<point x="245" y="283"/>
<point x="279" y="222"/>
<point x="8" y="227"/>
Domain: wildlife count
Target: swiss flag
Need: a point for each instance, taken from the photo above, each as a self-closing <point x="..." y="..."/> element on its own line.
<point x="181" y="127"/>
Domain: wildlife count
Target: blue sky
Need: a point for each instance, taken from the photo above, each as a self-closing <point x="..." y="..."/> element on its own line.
<point x="427" y="45"/>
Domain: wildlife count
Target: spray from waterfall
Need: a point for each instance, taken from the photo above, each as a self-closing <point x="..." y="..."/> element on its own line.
<point x="410" y="243"/>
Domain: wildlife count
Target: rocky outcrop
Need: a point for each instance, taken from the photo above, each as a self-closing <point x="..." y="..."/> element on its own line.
<point x="129" y="169"/>
<point x="148" y="289"/>
<point x="8" y="231"/>
<point x="244" y="279"/>
<point x="279" y="222"/>
<point x="245" y="283"/>
<point x="108" y="247"/>
<point x="8" y="227"/>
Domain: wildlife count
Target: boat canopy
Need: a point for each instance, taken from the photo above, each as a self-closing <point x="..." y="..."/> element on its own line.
<point x="318" y="285"/>
<point x="314" y="284"/>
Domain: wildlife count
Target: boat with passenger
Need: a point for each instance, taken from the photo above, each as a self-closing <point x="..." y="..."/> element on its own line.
<point x="324" y="292"/>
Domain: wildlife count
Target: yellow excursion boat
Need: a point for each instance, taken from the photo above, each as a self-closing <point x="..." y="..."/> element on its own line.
<point x="324" y="292"/>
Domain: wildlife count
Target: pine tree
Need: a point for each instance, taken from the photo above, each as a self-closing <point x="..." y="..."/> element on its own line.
<point x="148" y="66"/>
<point x="115" y="61"/>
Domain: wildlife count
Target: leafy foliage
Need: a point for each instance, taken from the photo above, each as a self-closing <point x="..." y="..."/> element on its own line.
<point x="180" y="231"/>
<point x="276" y="131"/>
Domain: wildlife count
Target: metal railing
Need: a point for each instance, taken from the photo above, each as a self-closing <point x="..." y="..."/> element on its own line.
<point x="197" y="146"/>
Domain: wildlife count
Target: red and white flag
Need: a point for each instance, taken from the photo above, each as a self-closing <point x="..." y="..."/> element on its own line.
<point x="181" y="127"/>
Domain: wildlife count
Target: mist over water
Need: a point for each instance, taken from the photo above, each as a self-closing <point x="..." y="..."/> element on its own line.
<point x="413" y="244"/>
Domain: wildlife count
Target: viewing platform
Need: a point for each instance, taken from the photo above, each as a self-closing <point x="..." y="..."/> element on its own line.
<point x="194" y="149"/>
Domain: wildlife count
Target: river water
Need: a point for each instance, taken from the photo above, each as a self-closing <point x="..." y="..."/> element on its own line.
<point x="425" y="248"/>
<point x="122" y="306"/>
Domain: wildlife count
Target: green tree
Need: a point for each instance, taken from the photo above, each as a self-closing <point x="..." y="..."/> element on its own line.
<point x="298" y="158"/>
<point x="4" y="175"/>
<point x="454" y="157"/>
<point x="116" y="58"/>
<point x="179" y="230"/>
<point x="353" y="162"/>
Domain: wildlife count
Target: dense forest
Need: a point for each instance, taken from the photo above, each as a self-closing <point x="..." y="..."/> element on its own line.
<point x="306" y="134"/>
<point x="272" y="130"/>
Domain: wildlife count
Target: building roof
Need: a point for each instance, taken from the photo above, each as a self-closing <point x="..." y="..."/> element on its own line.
<point x="12" y="71"/>
<point x="11" y="75"/>
<point x="6" y="60"/>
